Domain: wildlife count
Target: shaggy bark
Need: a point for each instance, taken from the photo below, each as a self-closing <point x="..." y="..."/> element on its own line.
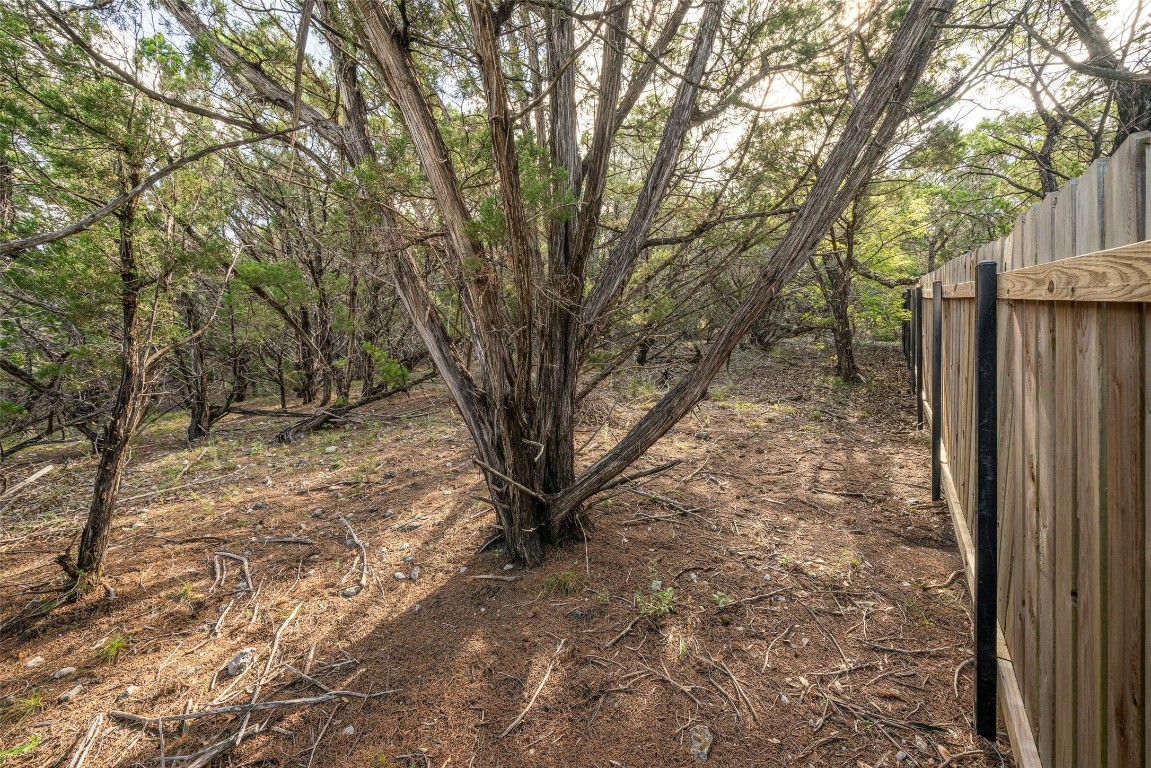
<point x="127" y="412"/>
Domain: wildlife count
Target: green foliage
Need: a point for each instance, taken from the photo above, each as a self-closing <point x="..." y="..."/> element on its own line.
<point x="23" y="748"/>
<point x="564" y="583"/>
<point x="111" y="648"/>
<point x="656" y="604"/>
<point x="389" y="370"/>
<point x="19" y="707"/>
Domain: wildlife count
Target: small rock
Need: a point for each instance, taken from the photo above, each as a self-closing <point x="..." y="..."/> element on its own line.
<point x="417" y="608"/>
<point x="318" y="513"/>
<point x="128" y="692"/>
<point x="409" y="527"/>
<point x="783" y="698"/>
<point x="656" y="585"/>
<point x="701" y="740"/>
<point x="901" y="755"/>
<point x="399" y="575"/>
<point x="703" y="434"/>
<point x="64" y="698"/>
<point x="241" y="661"/>
<point x="509" y="566"/>
<point x="349" y="730"/>
<point x="414" y="573"/>
<point x="463" y="569"/>
<point x="388" y="475"/>
<point x="330" y="449"/>
<point x="34" y="662"/>
<point x="60" y="673"/>
<point x="409" y="558"/>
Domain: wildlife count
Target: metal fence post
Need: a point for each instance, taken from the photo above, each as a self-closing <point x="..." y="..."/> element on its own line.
<point x="905" y="329"/>
<point x="917" y="336"/>
<point x="987" y="513"/>
<point x="936" y="388"/>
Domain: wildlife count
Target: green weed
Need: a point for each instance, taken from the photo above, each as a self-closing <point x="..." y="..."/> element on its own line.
<point x="656" y="604"/>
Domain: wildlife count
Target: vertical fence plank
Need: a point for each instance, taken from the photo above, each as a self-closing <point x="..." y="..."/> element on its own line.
<point x="1092" y="642"/>
<point x="1064" y="438"/>
<point x="1123" y="505"/>
<point x="1028" y="651"/>
<point x="1122" y="472"/>
<point x="1008" y="533"/>
<point x="1044" y="458"/>
<point x="1125" y="192"/>
<point x="1090" y="521"/>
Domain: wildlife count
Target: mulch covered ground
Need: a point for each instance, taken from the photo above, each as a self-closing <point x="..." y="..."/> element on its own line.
<point x="785" y="596"/>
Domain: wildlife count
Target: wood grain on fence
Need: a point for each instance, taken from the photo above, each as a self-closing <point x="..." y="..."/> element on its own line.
<point x="1074" y="461"/>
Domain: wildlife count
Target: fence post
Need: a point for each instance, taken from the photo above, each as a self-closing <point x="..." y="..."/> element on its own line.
<point x="917" y="337"/>
<point x="986" y="516"/>
<point x="936" y="387"/>
<point x="905" y="329"/>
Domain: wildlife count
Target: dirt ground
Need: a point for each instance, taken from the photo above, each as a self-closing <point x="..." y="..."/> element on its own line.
<point x="786" y="589"/>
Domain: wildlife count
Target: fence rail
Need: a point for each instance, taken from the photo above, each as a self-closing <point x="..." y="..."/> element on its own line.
<point x="1049" y="458"/>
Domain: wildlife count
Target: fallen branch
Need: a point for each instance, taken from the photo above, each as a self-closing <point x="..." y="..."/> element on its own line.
<point x="10" y="494"/>
<point x="248" y="587"/>
<point x="294" y="432"/>
<point x="623" y="632"/>
<point x="283" y="540"/>
<point x="159" y="721"/>
<point x="361" y="558"/>
<point x="543" y="682"/>
<point x="150" y="494"/>
<point x="86" y="742"/>
<point x="493" y="577"/>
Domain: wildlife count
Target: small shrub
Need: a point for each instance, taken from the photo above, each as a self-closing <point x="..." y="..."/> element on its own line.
<point x="566" y="583"/>
<point x="20" y="707"/>
<point x="656" y="604"/>
<point x="722" y="600"/>
<point x="111" y="648"/>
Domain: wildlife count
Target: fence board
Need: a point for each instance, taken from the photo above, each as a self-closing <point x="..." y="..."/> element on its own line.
<point x="1066" y="692"/>
<point x="1123" y="504"/>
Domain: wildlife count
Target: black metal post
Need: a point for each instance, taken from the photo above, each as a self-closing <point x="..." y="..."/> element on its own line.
<point x="905" y="329"/>
<point x="986" y="511"/>
<point x="917" y="337"/>
<point x="936" y="389"/>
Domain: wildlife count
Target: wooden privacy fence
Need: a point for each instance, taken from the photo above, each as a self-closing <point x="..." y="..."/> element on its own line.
<point x="1034" y="378"/>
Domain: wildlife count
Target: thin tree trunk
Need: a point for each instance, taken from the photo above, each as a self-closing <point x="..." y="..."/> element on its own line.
<point x="199" y="406"/>
<point x="127" y="413"/>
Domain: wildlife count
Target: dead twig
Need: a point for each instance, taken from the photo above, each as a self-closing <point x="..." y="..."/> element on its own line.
<point x="9" y="495"/>
<point x="243" y="561"/>
<point x="543" y="682"/>
<point x="623" y="632"/>
<point x="361" y="559"/>
<point x="86" y="742"/>
<point x="150" y="494"/>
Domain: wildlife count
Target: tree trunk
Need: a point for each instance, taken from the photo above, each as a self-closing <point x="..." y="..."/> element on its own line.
<point x="199" y="405"/>
<point x="127" y="413"/>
